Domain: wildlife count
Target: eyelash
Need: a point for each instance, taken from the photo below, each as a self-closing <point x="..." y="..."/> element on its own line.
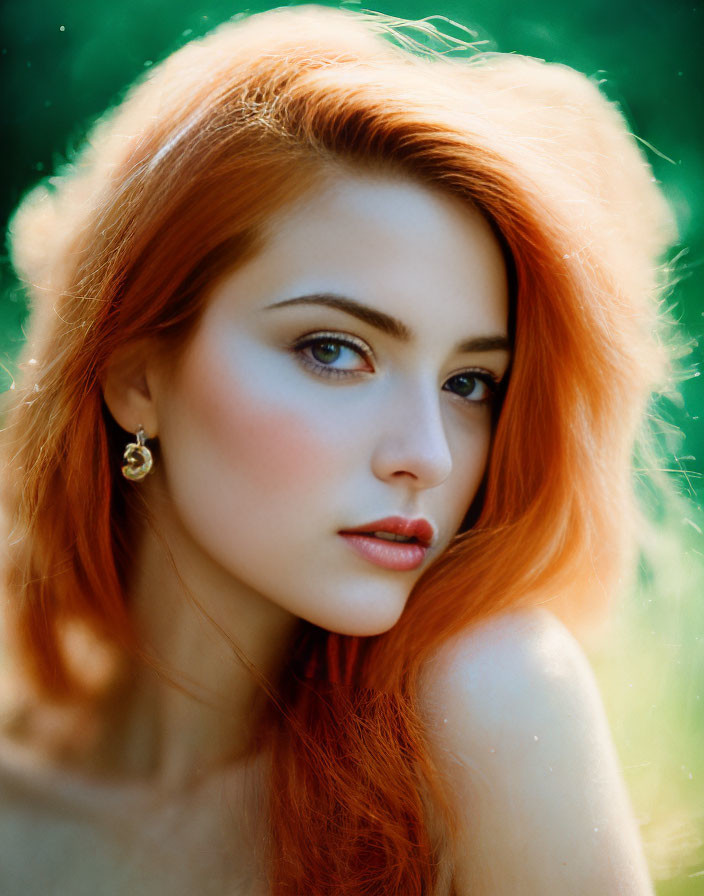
<point x="356" y="345"/>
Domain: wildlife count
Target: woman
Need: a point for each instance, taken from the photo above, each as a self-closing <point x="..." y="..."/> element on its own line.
<point x="337" y="358"/>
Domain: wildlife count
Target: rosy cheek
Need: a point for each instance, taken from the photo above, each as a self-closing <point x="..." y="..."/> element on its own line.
<point x="249" y="433"/>
<point x="275" y="447"/>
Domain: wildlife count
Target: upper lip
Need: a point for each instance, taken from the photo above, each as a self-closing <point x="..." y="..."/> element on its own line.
<point x="399" y="525"/>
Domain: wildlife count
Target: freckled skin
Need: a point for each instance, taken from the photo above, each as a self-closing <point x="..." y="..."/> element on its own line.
<point x="265" y="460"/>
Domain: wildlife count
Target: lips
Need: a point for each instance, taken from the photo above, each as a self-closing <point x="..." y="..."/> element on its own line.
<point x="392" y="543"/>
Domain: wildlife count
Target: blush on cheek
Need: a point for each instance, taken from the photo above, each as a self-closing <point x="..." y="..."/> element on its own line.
<point x="251" y="435"/>
<point x="279" y="450"/>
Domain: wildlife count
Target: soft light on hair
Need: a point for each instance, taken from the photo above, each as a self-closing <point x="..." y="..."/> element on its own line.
<point x="173" y="189"/>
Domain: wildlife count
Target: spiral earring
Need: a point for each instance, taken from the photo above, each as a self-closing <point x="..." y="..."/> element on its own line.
<point x="137" y="458"/>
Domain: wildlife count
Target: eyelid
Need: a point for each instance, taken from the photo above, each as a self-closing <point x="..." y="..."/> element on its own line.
<point x="347" y="339"/>
<point x="357" y="346"/>
<point x="493" y="382"/>
<point x="484" y="372"/>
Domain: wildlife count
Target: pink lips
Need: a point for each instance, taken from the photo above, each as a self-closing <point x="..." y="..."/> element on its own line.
<point x="396" y="555"/>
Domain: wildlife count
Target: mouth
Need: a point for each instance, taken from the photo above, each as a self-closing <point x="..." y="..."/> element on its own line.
<point x="392" y="543"/>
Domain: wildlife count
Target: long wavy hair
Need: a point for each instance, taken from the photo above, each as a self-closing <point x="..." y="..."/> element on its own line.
<point x="172" y="189"/>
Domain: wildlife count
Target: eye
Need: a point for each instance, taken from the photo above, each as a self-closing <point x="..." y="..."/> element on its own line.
<point x="332" y="354"/>
<point x="475" y="386"/>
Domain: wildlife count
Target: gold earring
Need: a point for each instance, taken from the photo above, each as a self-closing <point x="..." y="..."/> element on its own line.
<point x="137" y="458"/>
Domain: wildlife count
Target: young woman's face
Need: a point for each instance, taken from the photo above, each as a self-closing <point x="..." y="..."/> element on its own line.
<point x="342" y="377"/>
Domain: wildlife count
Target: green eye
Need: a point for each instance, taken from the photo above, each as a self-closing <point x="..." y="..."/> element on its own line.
<point x="464" y="384"/>
<point x="328" y="354"/>
<point x="325" y="352"/>
<point x="474" y="387"/>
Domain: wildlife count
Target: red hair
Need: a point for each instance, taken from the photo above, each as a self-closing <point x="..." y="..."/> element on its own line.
<point x="173" y="189"/>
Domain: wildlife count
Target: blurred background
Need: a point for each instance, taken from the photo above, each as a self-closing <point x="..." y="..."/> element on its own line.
<point x="63" y="63"/>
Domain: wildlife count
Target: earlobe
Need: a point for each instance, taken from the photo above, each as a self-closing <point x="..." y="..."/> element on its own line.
<point x="128" y="390"/>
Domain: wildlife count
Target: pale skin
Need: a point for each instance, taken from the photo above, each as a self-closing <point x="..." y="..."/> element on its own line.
<point x="265" y="456"/>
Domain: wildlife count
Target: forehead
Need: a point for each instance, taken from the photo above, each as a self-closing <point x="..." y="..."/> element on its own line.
<point x="386" y="240"/>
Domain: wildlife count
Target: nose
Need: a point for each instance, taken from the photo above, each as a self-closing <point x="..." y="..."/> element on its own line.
<point x="412" y="444"/>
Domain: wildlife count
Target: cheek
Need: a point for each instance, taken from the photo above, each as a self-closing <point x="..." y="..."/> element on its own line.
<point x="471" y="453"/>
<point x="273" y="445"/>
<point x="235" y="432"/>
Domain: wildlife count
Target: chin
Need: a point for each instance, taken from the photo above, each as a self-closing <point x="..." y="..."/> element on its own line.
<point x="361" y="618"/>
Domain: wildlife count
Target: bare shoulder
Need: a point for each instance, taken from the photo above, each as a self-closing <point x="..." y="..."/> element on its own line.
<point x="507" y="671"/>
<point x="515" y="691"/>
<point x="517" y="728"/>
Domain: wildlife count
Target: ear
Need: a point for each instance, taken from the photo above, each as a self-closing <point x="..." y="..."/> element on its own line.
<point x="126" y="388"/>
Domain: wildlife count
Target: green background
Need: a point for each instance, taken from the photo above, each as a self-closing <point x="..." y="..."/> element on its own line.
<point x="64" y="63"/>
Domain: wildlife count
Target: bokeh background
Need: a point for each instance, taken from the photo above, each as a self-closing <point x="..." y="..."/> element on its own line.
<point x="63" y="63"/>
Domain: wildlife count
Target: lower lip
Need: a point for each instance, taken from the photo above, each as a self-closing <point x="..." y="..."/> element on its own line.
<point x="389" y="554"/>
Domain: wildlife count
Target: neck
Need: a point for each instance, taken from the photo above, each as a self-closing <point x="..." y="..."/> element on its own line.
<point x="193" y="708"/>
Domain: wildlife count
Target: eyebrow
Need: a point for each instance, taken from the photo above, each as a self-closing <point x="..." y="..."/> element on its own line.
<point x="387" y="324"/>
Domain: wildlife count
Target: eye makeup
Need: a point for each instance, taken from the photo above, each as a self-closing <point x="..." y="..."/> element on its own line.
<point x="319" y="351"/>
<point x="330" y="353"/>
